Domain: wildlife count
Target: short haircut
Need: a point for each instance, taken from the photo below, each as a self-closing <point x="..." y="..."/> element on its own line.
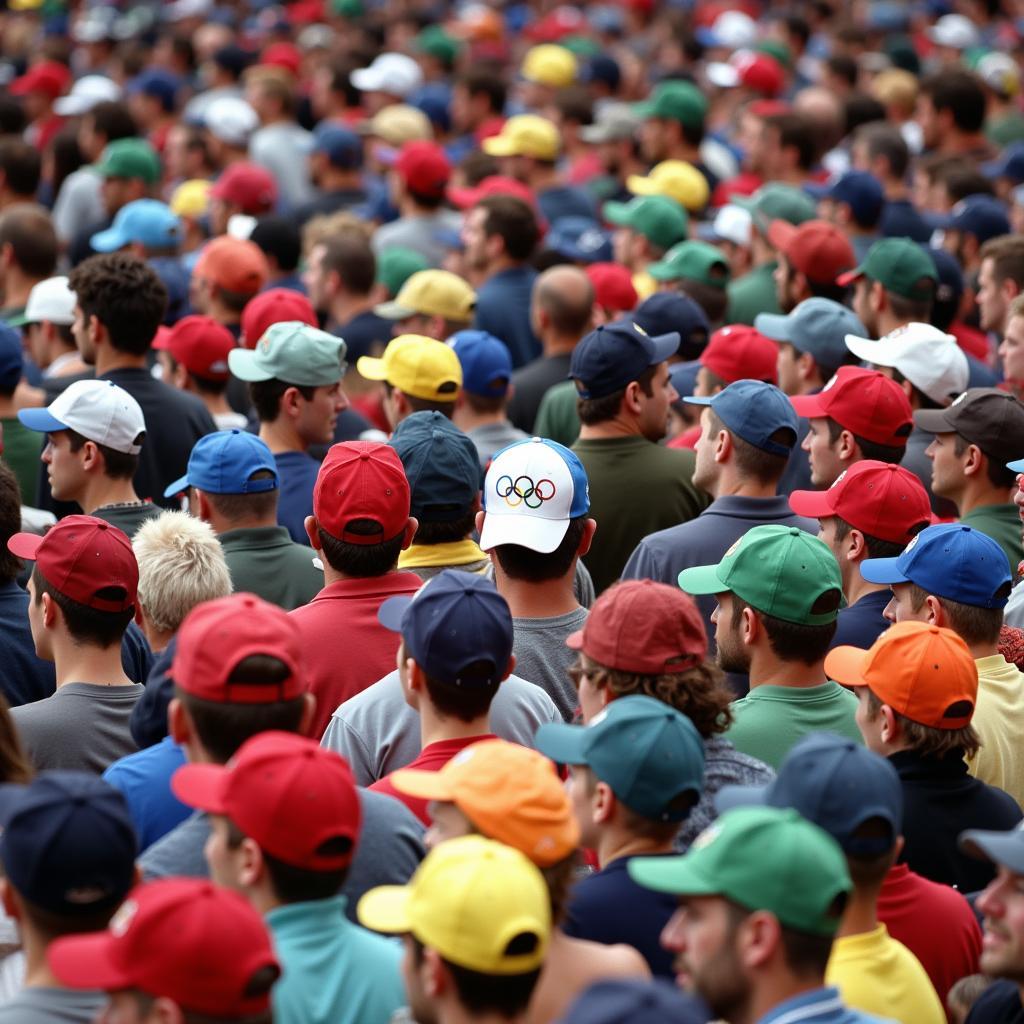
<point x="1007" y="255"/>
<point x="116" y="465"/>
<point x="28" y="230"/>
<point x="961" y="182"/>
<point x="753" y="462"/>
<point x="113" y="120"/>
<point x="266" y="397"/>
<point x="417" y="404"/>
<point x="997" y="473"/>
<point x="881" y="139"/>
<point x="260" y="984"/>
<point x="925" y="740"/>
<point x="961" y="92"/>
<point x="125" y="295"/>
<point x="796" y="131"/>
<point x="484" y="80"/>
<point x="521" y="563"/>
<point x="911" y="310"/>
<point x="514" y="221"/>
<point x="468" y="699"/>
<point x="239" y="507"/>
<point x="922" y="400"/>
<point x="274" y="83"/>
<point x="362" y="561"/>
<point x="712" y="299"/>
<point x="795" y="641"/>
<point x="598" y="410"/>
<point x="974" y="625"/>
<point x="445" y="531"/>
<point x="10" y="523"/>
<point x="843" y="66"/>
<point x="638" y="826"/>
<point x="860" y="108"/>
<point x="890" y="454"/>
<point x="568" y="312"/>
<point x="204" y="385"/>
<point x="21" y="165"/>
<point x="87" y="626"/>
<point x="1016" y="307"/>
<point x="350" y="256"/>
<point x="807" y="954"/>
<point x="181" y="565"/>
<point x="876" y="547"/>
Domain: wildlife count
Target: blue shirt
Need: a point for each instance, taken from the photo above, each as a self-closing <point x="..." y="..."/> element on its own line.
<point x="24" y="676"/>
<point x="297" y="474"/>
<point x="566" y="201"/>
<point x="503" y="309"/>
<point x="819" y="1006"/>
<point x="861" y="623"/>
<point x="901" y="220"/>
<point x="333" y="971"/>
<point x="144" y="778"/>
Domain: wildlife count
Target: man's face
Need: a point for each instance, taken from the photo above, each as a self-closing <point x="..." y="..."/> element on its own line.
<point x="1018" y="496"/>
<point x="785" y="285"/>
<point x="1011" y="349"/>
<point x="224" y="862"/>
<point x="64" y="467"/>
<point x="947" y="466"/>
<point x="928" y="119"/>
<point x="705" y="471"/>
<point x="474" y="240"/>
<point x="423" y="1010"/>
<point x="991" y="301"/>
<point x="446" y="822"/>
<point x="319" y="416"/>
<point x="315" y="279"/>
<point x="1002" y="904"/>
<point x="654" y="139"/>
<point x="827" y="535"/>
<point x="219" y="213"/>
<point x="772" y="163"/>
<point x="116" y="192"/>
<point x="580" y="787"/>
<point x="622" y="246"/>
<point x="732" y="656"/>
<point x="870" y="728"/>
<point x="825" y="463"/>
<point x="83" y="335"/>
<point x="33" y="337"/>
<point x="901" y="608"/>
<point x="862" y="305"/>
<point x="786" y="367"/>
<point x="654" y="409"/>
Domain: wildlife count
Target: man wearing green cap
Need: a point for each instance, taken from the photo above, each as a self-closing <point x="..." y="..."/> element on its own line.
<point x="673" y="125"/>
<point x="647" y="227"/>
<point x="761" y="894"/>
<point x="779" y="591"/>
<point x="698" y="270"/>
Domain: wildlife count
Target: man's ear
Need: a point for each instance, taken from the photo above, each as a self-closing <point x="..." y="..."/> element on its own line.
<point x="179" y="722"/>
<point x="313" y="532"/>
<point x="876" y="297"/>
<point x="589" y="529"/>
<point x="846" y="446"/>
<point x="411" y="526"/>
<point x="252" y="866"/>
<point x="890" y="730"/>
<point x="723" y="446"/>
<point x="50" y="610"/>
<point x="936" y="613"/>
<point x="974" y="463"/>
<point x="603" y="804"/>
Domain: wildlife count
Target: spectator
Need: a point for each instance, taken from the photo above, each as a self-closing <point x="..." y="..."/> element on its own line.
<point x="1000" y="281"/>
<point x="226" y="277"/>
<point x="855" y="203"/>
<point x="810" y="258"/>
<point x="242" y="190"/>
<point x="46" y="330"/>
<point x="951" y="113"/>
<point x="28" y="255"/>
<point x="20" y="168"/>
<point x="673" y="125"/>
<point x="432" y="303"/>
<point x="335" y="168"/>
<point x="647" y="227"/>
<point x="280" y="240"/>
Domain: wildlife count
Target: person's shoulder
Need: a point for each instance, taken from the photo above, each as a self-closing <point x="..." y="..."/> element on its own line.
<point x="391" y="814"/>
<point x="1000" y="1003"/>
<point x="617" y="961"/>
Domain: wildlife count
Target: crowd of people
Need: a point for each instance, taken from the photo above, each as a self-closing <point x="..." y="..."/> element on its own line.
<point x="511" y="513"/>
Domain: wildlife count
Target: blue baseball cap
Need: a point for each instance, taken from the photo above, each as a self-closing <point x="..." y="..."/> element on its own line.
<point x="949" y="560"/>
<point x="684" y="377"/>
<point x="441" y="464"/>
<point x="1009" y="165"/>
<point x="580" y="239"/>
<point x="754" y="410"/>
<point x="635" y="1001"/>
<point x="342" y="146"/>
<point x="12" y="358"/>
<point x="649" y="753"/>
<point x="159" y="83"/>
<point x="816" y="326"/>
<point x="68" y="844"/>
<point x="608" y="358"/>
<point x="486" y="363"/>
<point x="146" y="221"/>
<point x="668" y="312"/>
<point x="860" y="190"/>
<point x="980" y="215"/>
<point x="224" y="463"/>
<point x="837" y="785"/>
<point x="454" y="620"/>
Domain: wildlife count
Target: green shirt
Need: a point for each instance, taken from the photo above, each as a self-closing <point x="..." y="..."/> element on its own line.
<point x="129" y="516"/>
<point x="22" y="448"/>
<point x="770" y="719"/>
<point x="751" y="294"/>
<point x="556" y="417"/>
<point x="265" y="561"/>
<point x="1001" y="523"/>
<point x="636" y="488"/>
<point x="1005" y="128"/>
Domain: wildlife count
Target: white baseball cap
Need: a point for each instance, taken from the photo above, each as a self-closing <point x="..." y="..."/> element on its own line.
<point x="393" y="73"/>
<point x="532" y="490"/>
<point x="51" y="301"/>
<point x="929" y="358"/>
<point x="85" y="94"/>
<point x="231" y="120"/>
<point x="732" y="30"/>
<point x="731" y="224"/>
<point x="955" y="31"/>
<point x="99" y="410"/>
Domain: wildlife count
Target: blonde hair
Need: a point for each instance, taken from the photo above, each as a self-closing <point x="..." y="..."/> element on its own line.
<point x="181" y="564"/>
<point x="895" y="87"/>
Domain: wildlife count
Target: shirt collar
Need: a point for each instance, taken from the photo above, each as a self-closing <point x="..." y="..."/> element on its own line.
<point x="820" y="1004"/>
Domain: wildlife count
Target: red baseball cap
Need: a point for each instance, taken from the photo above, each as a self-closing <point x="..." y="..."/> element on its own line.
<point x="282" y="55"/>
<point x="738" y="352"/>
<point x="865" y="402"/>
<point x="877" y="498"/>
<point x="183" y="939"/>
<point x="818" y="249"/>
<point x="200" y="344"/>
<point x="275" y="306"/>
<point x="424" y="168"/>
<point x="234" y="264"/>
<point x="81" y="556"/>
<point x="643" y="626"/>
<point x="361" y="480"/>
<point x="285" y="792"/>
<point x="495" y="185"/>
<point x="613" y="286"/>
<point x="217" y="635"/>
<point x="249" y="186"/>
<point x="48" y="76"/>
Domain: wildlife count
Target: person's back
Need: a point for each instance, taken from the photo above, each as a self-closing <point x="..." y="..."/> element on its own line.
<point x="999" y="719"/>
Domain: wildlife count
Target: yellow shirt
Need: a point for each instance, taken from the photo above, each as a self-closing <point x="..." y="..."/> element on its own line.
<point x="457" y="554"/>
<point x="876" y="974"/>
<point x="999" y="721"/>
<point x="644" y="284"/>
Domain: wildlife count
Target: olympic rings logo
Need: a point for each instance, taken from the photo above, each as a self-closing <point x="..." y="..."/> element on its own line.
<point x="523" y="491"/>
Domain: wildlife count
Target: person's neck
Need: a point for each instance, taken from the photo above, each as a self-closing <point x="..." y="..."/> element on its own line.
<point x="731" y="484"/>
<point x="614" y="844"/>
<point x="553" y="344"/>
<point x="767" y="670"/>
<point x="280" y="436"/>
<point x="857" y="587"/>
<point x="500" y="264"/>
<point x="435" y="727"/>
<point x="888" y="323"/>
<point x="895" y="190"/>
<point x="221" y="525"/>
<point x="109" y="358"/>
<point x="37" y="970"/>
<point x="345" y="307"/>
<point x="216" y="310"/>
<point x="544" y="178"/>
<point x="466" y="419"/>
<point x="278" y="118"/>
<point x="979" y="493"/>
<point x="101" y="490"/>
<point x="958" y="143"/>
<point x="861" y="914"/>
<point x="979" y="651"/>
<point x="83" y="663"/>
<point x="453" y="1012"/>
<point x="332" y="575"/>
<point x="216" y="405"/>
<point x="791" y="176"/>
<point x="774" y="989"/>
<point x="683" y="151"/>
<point x="17" y="287"/>
<point x="618" y="426"/>
<point x="340" y="181"/>
<point x="537" y="600"/>
<point x="408" y="207"/>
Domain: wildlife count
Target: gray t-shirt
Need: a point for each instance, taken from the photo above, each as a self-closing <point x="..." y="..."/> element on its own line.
<point x="378" y="733"/>
<point x="83" y="726"/>
<point x="283" y="150"/>
<point x="52" y="1006"/>
<point x="543" y="658"/>
<point x="418" y="232"/>
<point x="492" y="437"/>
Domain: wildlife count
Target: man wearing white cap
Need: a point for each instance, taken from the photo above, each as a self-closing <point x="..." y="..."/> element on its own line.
<point x="46" y="330"/>
<point x="229" y="123"/>
<point x="95" y="432"/>
<point x="391" y="78"/>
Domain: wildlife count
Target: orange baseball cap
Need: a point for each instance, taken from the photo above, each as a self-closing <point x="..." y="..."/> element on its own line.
<point x="234" y="264"/>
<point x="510" y="793"/>
<point x="924" y="672"/>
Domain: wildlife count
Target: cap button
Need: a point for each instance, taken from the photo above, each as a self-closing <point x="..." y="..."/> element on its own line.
<point x="364" y="456"/>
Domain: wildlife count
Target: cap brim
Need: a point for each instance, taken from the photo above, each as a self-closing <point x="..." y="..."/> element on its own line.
<point x="697" y="399"/>
<point x="867" y="350"/>
<point x="740" y="796"/>
<point x="366" y="80"/>
<point x="41" y="420"/>
<point x="393" y="311"/>
<point x="641" y="186"/>
<point x="934" y="421"/>
<point x="177" y="487"/>
<point x="670" y="874"/>
<point x="700" y="580"/>
<point x="242" y="363"/>
<point x="20" y="321"/>
<point x="780" y="233"/>
<point x="87" y="962"/>
<point x="665" y="346"/>
<point x="463" y="198"/>
<point x="882" y="571"/>
<point x="808" y="406"/>
<point x="814" y="504"/>
<point x="849" y="277"/>
<point x="497" y="146"/>
<point x="772" y="325"/>
<point x="1017" y="466"/>
<point x="540" y="535"/>
<point x="425" y="785"/>
<point x="392" y="611"/>
<point x="200" y="786"/>
<point x="371" y="368"/>
<point x="108" y="241"/>
<point x="616" y="213"/>
<point x="563" y="744"/>
<point x="386" y="909"/>
<point x="24" y="545"/>
<point x="1003" y="848"/>
<point x="662" y="272"/>
<point x="725" y="76"/>
<point x="846" y="665"/>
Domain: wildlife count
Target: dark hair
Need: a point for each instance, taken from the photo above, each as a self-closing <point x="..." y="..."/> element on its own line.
<point x="266" y="397"/>
<point x="927" y="741"/>
<point x="67" y="157"/>
<point x="117" y="465"/>
<point x="876" y="547"/>
<point x="907" y="310"/>
<point x="998" y="474"/>
<point x="86" y="625"/>
<point x="349" y="255"/>
<point x="468" y="699"/>
<point x="483" y="406"/>
<point x="21" y="165"/>
<point x="12" y="116"/>
<point x="445" y="531"/>
<point x="279" y="237"/>
<point x="361" y="560"/>
<point x="483" y="80"/>
<point x="795" y="641"/>
<point x="574" y="103"/>
<point x="795" y="131"/>
<point x="519" y="563"/>
<point x="28" y="230"/>
<point x="962" y="182"/>
<point x="417" y="404"/>
<point x="514" y="221"/>
<point x="843" y="66"/>
<point x="477" y="165"/>
<point x="204" y="385"/>
<point x="598" y="410"/>
<point x="959" y="91"/>
<point x="52" y="925"/>
<point x="807" y="955"/>
<point x="125" y="295"/>
<point x="753" y="462"/>
<point x="861" y="108"/>
<point x="428" y="200"/>
<point x="919" y="396"/>
<point x="869" y="449"/>
<point x="259" y="984"/>
<point x="712" y="299"/>
<point x="1007" y="255"/>
<point x="223" y="727"/>
<point x="10" y="523"/>
<point x="112" y="120"/>
<point x="14" y="763"/>
<point x="976" y="626"/>
<point x="237" y="507"/>
<point x="881" y="139"/>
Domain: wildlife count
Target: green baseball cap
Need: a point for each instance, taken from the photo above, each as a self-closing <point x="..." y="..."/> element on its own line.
<point x="659" y="219"/>
<point x="900" y="266"/>
<point x="763" y="858"/>
<point x="435" y="42"/>
<point x="697" y="261"/>
<point x="776" y="48"/>
<point x="779" y="570"/>
<point x="396" y="265"/>
<point x="777" y="202"/>
<point x="675" y="101"/>
<point x="130" y="158"/>
<point x="294" y="352"/>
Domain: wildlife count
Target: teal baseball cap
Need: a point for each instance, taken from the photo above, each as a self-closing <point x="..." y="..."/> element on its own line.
<point x="659" y="219"/>
<point x="775" y="201"/>
<point x="294" y="352"/>
<point x="650" y="755"/>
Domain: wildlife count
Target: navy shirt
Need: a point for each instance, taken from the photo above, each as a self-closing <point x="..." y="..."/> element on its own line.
<point x="861" y="623"/>
<point x="503" y="309"/>
<point x="362" y="332"/>
<point x="901" y="220"/>
<point x="297" y="474"/>
<point x="999" y="1004"/>
<point x="25" y="676"/>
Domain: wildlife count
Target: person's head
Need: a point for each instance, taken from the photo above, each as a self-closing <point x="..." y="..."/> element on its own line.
<point x="478" y="94"/>
<point x="243" y="188"/>
<point x="46" y="323"/>
<point x="1000" y="280"/>
<point x="973" y="221"/>
<point x="121" y="303"/>
<point x="486" y="375"/>
<point x="750" y="929"/>
<point x="28" y="242"/>
<point x="525" y="145"/>
<point x="810" y="258"/>
<point x="734" y="353"/>
<point x="696" y="269"/>
<point x="879" y="147"/>
<point x="40" y="86"/>
<point x="665" y="312"/>
<point x="154" y="960"/>
<point x="274" y="306"/>
<point x="433" y="303"/>
<point x="789" y="145"/>
<point x="342" y="264"/>
<point x="917" y="686"/>
<point x="779" y="591"/>
<point x="270" y="91"/>
<point x="20" y="168"/>
<point x="194" y="354"/>
<point x="130" y="169"/>
<point x="615" y="295"/>
<point x="476" y="921"/>
<point x="562" y="303"/>
<point x="420" y="374"/>
<point x="950" y="102"/>
<point x="1011" y="348"/>
<point x="420" y="175"/>
<point x="238" y="670"/>
<point x="646" y="228"/>
<point x="280" y="239"/>
<point x="859" y="414"/>
<point x="227" y="275"/>
<point x="499" y="230"/>
<point x="673" y="120"/>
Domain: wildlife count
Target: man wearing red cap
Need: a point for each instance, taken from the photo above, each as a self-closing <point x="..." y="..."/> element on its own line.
<point x="228" y="273"/>
<point x="733" y="353"/>
<point x="810" y="258"/>
<point x="40" y="87"/>
<point x="243" y="189"/>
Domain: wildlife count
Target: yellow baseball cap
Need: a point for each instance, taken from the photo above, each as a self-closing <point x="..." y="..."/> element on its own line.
<point x="417" y="365"/>
<point x="549" y="65"/>
<point x="191" y="198"/>
<point x="510" y="793"/>
<point x="676" y="179"/>
<point x="432" y="293"/>
<point x="469" y="898"/>
<point x="525" y="135"/>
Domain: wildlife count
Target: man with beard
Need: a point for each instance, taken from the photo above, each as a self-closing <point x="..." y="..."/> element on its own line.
<point x="810" y="258"/>
<point x="1000" y="281"/>
<point x="778" y="591"/>
<point x="753" y="934"/>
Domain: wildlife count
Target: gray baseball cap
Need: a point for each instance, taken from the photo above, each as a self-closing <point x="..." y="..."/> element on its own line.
<point x="817" y="326"/>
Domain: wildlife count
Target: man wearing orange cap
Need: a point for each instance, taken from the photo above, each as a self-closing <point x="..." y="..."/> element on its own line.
<point x="228" y="274"/>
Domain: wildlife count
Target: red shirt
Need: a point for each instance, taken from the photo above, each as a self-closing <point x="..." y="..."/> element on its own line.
<point x="934" y="922"/>
<point x="687" y="439"/>
<point x="345" y="647"/>
<point x="433" y="757"/>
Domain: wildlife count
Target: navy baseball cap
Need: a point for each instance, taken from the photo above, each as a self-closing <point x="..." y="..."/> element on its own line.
<point x="454" y="620"/>
<point x="224" y="463"/>
<point x="608" y="358"/>
<point x="665" y="312"/>
<point x="860" y="190"/>
<point x="68" y="844"/>
<point x="949" y="560"/>
<point x="158" y="83"/>
<point x="441" y="464"/>
<point x="754" y="410"/>
<point x="1009" y="165"/>
<point x="816" y="326"/>
<point x="980" y="215"/>
<point x="486" y="363"/>
<point x="837" y="785"/>
<point x="580" y="239"/>
<point x="684" y="377"/>
<point x="341" y="145"/>
<point x="637" y="1001"/>
<point x="12" y="358"/>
